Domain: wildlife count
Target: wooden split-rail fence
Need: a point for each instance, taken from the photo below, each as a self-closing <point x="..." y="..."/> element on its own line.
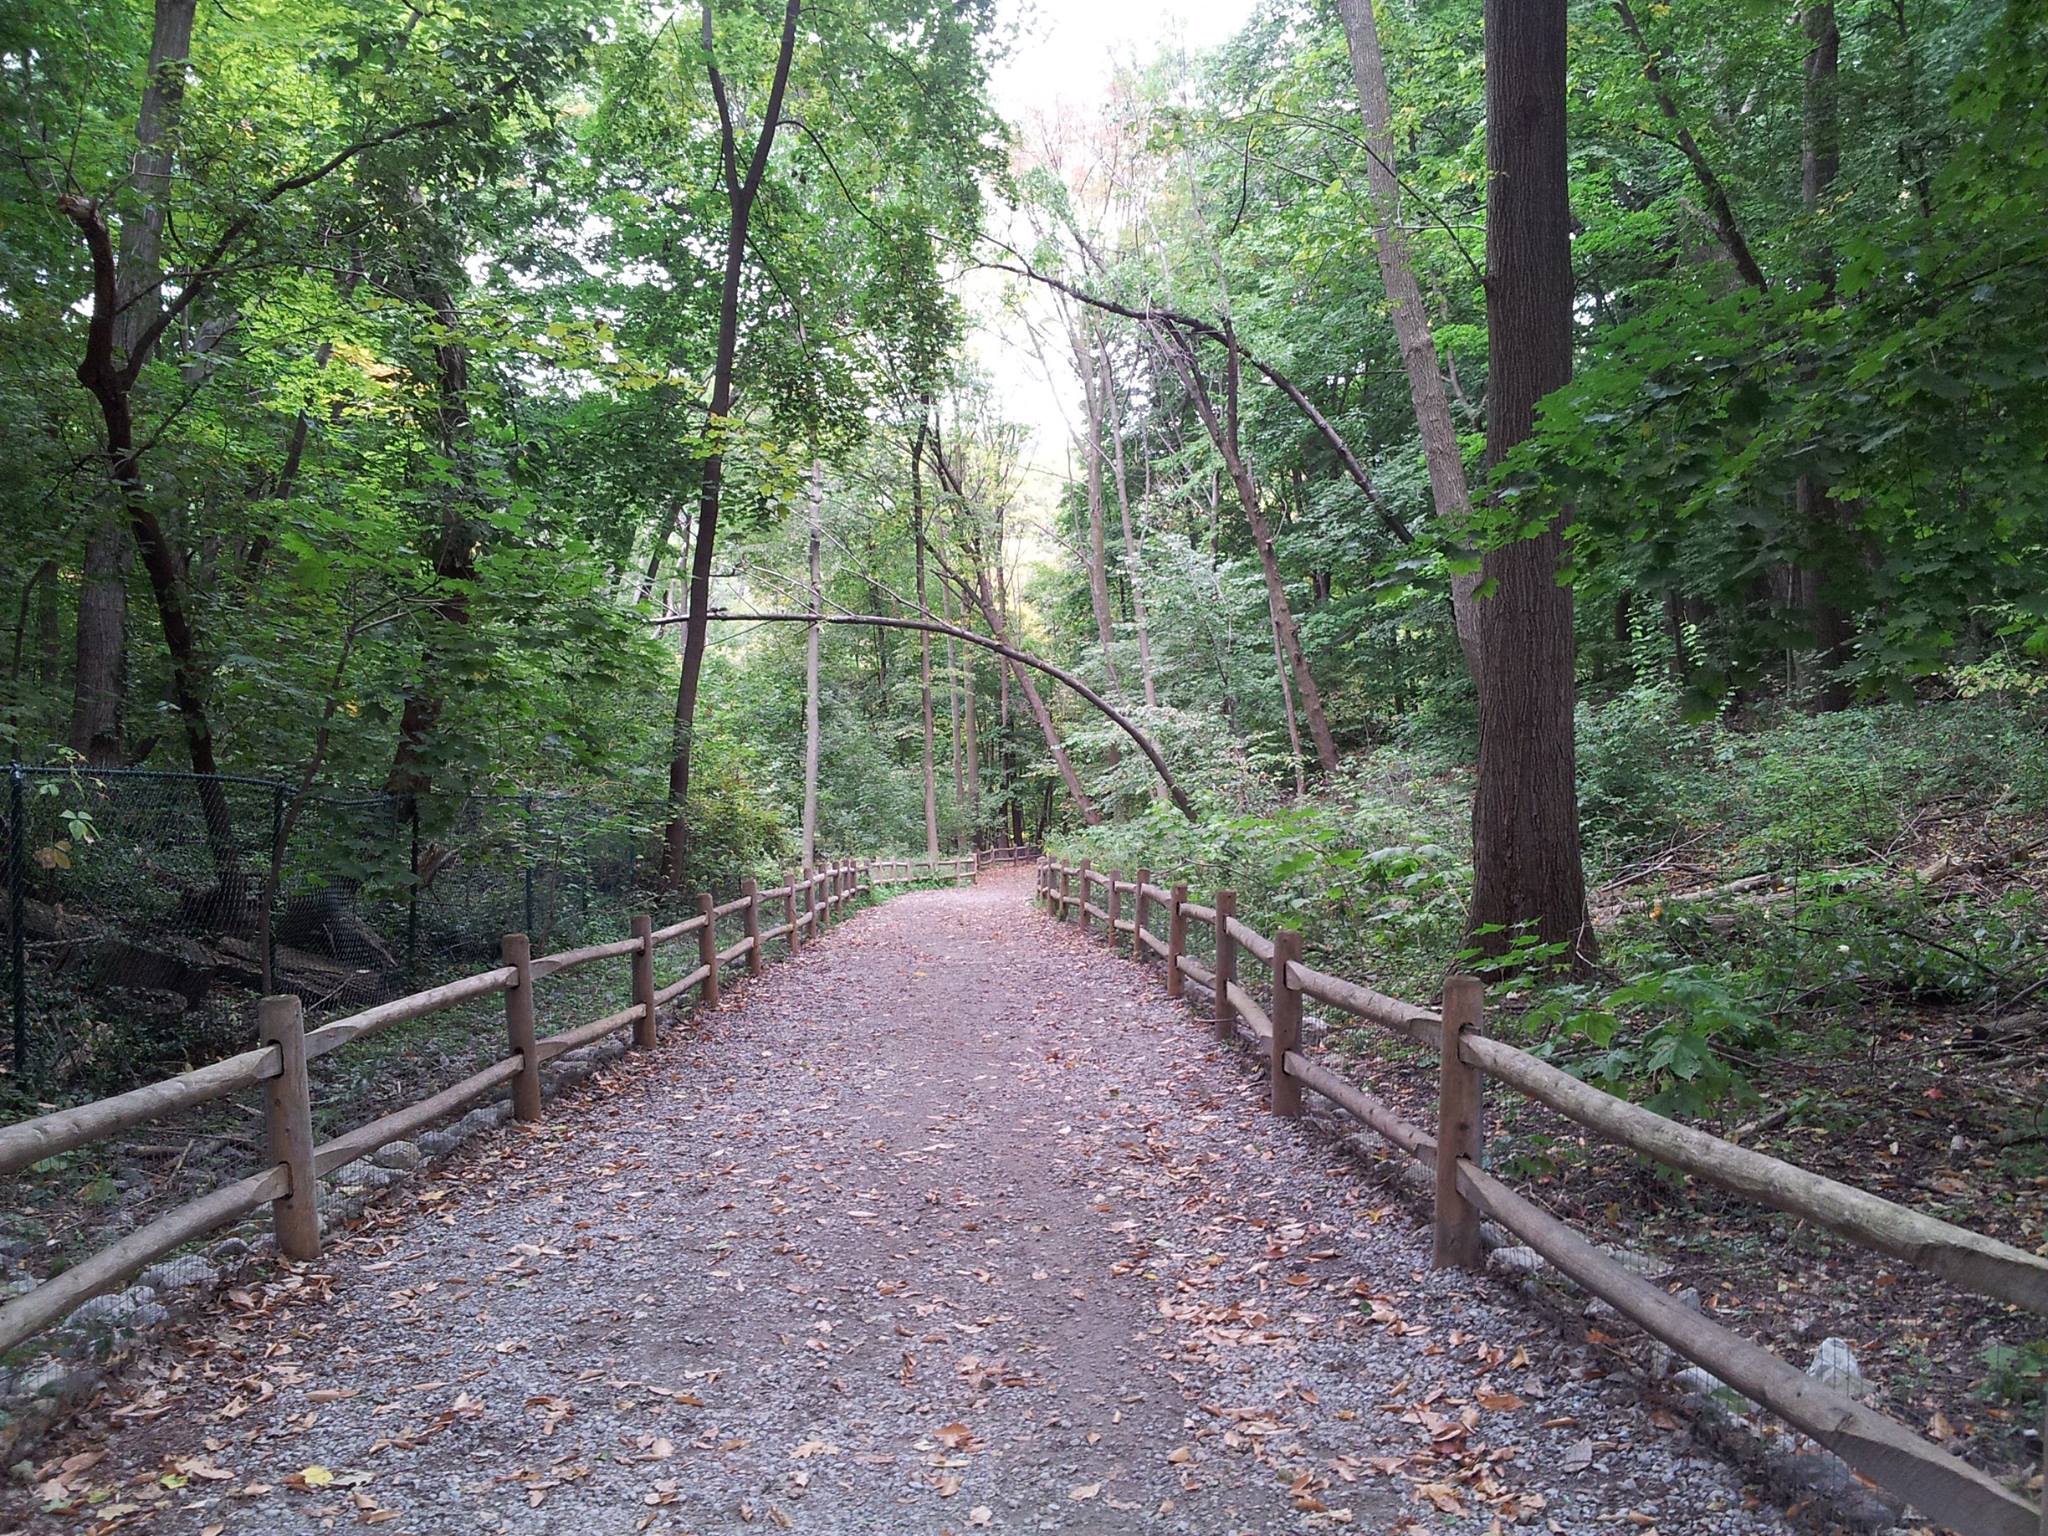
<point x="289" y="1183"/>
<point x="1885" y="1451"/>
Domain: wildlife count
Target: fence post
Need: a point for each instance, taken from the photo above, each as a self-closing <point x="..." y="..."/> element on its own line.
<point x="1176" y="938"/>
<point x="1114" y="901"/>
<point x="1138" y="916"/>
<point x="1460" y="1129"/>
<point x="17" y="911"/>
<point x="1082" y="910"/>
<point x="707" y="950"/>
<point x="643" y="982"/>
<point x="789" y="911"/>
<point x="516" y="950"/>
<point x="288" y="1117"/>
<point x="751" y="889"/>
<point x="1226" y="964"/>
<point x="1284" y="1092"/>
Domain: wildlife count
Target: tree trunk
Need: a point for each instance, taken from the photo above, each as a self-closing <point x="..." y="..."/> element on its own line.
<point x="100" y="674"/>
<point x="1440" y="450"/>
<point x="454" y="554"/>
<point x="1527" y="874"/>
<point x="740" y="195"/>
<point x="1123" y="507"/>
<point x="953" y="720"/>
<point x="1293" y="728"/>
<point x="811" y="673"/>
<point x="1820" y="162"/>
<point x="1223" y="433"/>
<point x="992" y="615"/>
<point x="924" y="647"/>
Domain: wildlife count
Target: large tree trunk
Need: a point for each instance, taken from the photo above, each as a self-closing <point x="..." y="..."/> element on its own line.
<point x="1527" y="873"/>
<point x="99" y="677"/>
<point x="924" y="648"/>
<point x="1412" y="330"/>
<point x="740" y="196"/>
<point x="811" y="675"/>
<point x="953" y="716"/>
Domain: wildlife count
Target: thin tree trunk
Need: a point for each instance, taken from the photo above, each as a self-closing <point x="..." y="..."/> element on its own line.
<point x="924" y="647"/>
<point x="1123" y="507"/>
<point x="1293" y="728"/>
<point x="1527" y="874"/>
<point x="1412" y="329"/>
<point x="992" y="615"/>
<point x="740" y="196"/>
<point x="1820" y="162"/>
<point x="953" y="720"/>
<point x="817" y="507"/>
<point x="1223" y="432"/>
<point x="973" y="742"/>
<point x="1098" y="547"/>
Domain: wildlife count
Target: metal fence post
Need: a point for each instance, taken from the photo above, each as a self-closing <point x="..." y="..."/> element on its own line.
<point x="288" y="1119"/>
<point x="17" y="910"/>
<point x="1226" y="964"/>
<point x="273" y="873"/>
<point x="529" y="864"/>
<point x="1460" y="1129"/>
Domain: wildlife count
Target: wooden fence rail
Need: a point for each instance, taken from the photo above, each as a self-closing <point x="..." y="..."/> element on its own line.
<point x="278" y="1067"/>
<point x="1895" y="1457"/>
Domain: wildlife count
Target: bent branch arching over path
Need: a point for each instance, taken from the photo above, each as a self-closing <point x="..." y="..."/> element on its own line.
<point x="1123" y="722"/>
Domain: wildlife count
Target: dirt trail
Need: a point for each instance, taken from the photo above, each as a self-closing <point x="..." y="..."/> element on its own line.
<point x="953" y="1223"/>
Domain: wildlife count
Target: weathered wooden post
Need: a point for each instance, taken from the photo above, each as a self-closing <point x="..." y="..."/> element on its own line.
<point x="1138" y="951"/>
<point x="1176" y="938"/>
<point x="1283" y="1092"/>
<point x="288" y="1119"/>
<point x="643" y="982"/>
<point x="751" y="889"/>
<point x="789" y="911"/>
<point x="1460" y="1128"/>
<point x="1083" y="909"/>
<point x="1113" y="899"/>
<point x="707" y="950"/>
<point x="517" y="951"/>
<point x="1226" y="965"/>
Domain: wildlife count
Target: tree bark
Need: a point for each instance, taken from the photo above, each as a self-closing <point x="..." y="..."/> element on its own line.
<point x="1223" y="432"/>
<point x="924" y="647"/>
<point x="1527" y="874"/>
<point x="1098" y="544"/>
<point x="741" y="192"/>
<point x="1440" y="451"/>
<point x="953" y="713"/>
<point x="100" y="672"/>
<point x="811" y="673"/>
<point x="1123" y="507"/>
<point x="1820" y="162"/>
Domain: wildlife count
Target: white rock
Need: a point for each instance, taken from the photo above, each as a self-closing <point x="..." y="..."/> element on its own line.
<point x="1834" y="1365"/>
<point x="1521" y="1261"/>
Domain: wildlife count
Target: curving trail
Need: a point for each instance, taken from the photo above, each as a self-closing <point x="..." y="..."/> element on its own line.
<point x="954" y="1223"/>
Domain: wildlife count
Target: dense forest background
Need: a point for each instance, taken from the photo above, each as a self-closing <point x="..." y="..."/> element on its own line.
<point x="408" y="402"/>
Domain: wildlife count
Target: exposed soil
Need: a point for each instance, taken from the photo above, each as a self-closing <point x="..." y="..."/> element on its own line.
<point x="952" y="1223"/>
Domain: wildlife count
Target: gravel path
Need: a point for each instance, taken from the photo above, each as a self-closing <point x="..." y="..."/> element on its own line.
<point x="953" y="1223"/>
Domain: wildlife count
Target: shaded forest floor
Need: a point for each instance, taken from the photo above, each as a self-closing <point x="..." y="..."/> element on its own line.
<point x="953" y="1223"/>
